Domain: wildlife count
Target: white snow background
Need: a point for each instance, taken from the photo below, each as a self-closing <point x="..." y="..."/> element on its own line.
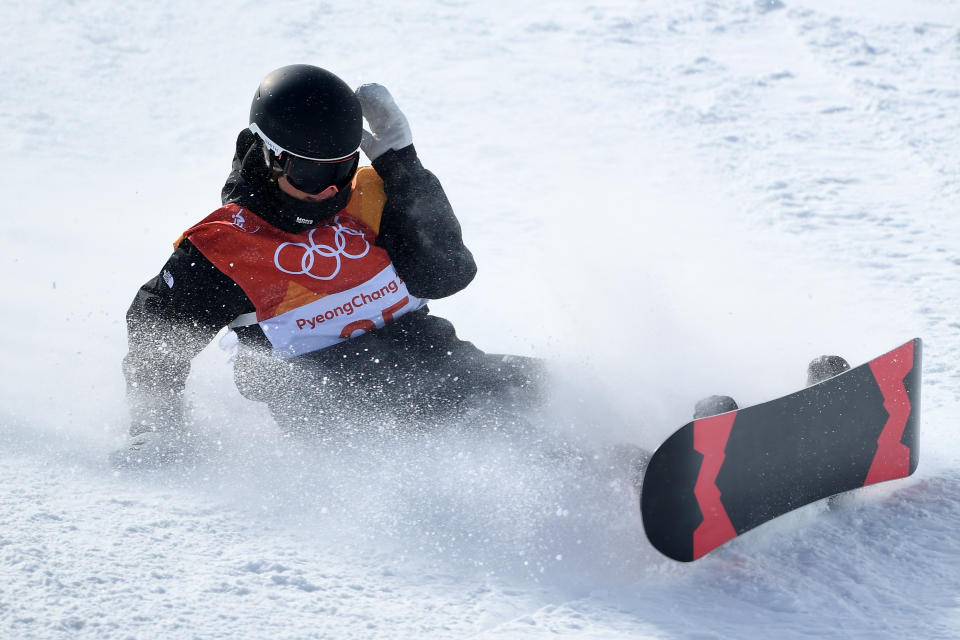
<point x="668" y="200"/>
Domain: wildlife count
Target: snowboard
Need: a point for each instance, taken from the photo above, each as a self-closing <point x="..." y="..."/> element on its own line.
<point x="718" y="477"/>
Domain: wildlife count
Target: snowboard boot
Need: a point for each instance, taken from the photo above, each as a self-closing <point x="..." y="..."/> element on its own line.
<point x="824" y="368"/>
<point x="714" y="405"/>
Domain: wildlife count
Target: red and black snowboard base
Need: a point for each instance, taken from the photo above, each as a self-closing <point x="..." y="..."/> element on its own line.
<point x="721" y="476"/>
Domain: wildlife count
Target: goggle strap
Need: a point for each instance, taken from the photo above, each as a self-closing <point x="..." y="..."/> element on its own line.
<point x="277" y="149"/>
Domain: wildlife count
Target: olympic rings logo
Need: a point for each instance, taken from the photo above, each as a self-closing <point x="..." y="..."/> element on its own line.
<point x="315" y="252"/>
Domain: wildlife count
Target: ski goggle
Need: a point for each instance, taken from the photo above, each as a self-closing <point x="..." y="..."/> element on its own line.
<point x="315" y="176"/>
<point x="310" y="175"/>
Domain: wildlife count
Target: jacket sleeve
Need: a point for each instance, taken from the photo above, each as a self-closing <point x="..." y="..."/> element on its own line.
<point x="419" y="230"/>
<point x="235" y="187"/>
<point x="173" y="316"/>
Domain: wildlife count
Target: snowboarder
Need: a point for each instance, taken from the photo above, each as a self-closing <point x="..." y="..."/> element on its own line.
<point x="324" y="270"/>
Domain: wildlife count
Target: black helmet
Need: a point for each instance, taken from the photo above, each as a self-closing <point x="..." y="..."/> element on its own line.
<point x="308" y="112"/>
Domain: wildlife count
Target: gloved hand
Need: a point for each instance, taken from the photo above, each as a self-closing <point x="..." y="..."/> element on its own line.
<point x="390" y="129"/>
<point x="160" y="433"/>
<point x="156" y="449"/>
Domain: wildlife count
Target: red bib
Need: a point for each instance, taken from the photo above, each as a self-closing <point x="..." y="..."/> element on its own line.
<point x="313" y="289"/>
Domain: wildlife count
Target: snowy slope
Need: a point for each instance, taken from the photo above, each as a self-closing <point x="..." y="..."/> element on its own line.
<point x="736" y="187"/>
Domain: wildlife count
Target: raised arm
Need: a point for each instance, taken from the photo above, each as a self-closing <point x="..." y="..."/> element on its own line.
<point x="418" y="228"/>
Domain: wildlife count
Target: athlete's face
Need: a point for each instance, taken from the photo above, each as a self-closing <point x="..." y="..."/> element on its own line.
<point x="293" y="192"/>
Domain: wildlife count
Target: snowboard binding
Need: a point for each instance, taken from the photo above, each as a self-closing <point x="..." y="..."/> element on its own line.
<point x="820" y="369"/>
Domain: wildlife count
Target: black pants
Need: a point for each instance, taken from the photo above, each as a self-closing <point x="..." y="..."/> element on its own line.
<point x="414" y="371"/>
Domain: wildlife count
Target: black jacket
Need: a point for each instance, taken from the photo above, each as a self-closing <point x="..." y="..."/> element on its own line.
<point x="178" y="312"/>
